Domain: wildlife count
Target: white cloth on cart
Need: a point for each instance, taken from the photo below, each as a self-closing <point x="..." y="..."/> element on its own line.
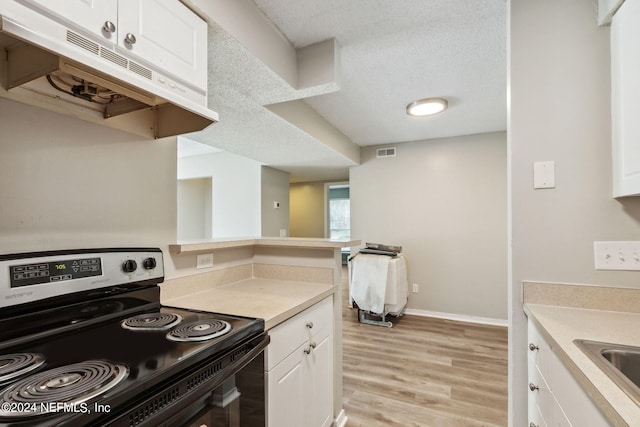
<point x="397" y="287"/>
<point x="369" y="281"/>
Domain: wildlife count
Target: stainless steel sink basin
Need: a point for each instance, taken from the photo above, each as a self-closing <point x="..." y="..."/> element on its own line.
<point x="621" y="363"/>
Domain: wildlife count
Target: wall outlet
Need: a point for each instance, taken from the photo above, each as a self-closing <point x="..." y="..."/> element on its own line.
<point x="623" y="255"/>
<point x="283" y="232"/>
<point x="204" y="260"/>
<point x="416" y="288"/>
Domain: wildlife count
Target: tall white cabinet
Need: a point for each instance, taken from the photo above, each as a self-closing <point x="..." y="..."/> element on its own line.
<point x="625" y="99"/>
<point x="299" y="369"/>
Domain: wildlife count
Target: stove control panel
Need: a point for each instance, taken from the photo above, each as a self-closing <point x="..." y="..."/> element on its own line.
<point x="39" y="275"/>
<point x="53" y="271"/>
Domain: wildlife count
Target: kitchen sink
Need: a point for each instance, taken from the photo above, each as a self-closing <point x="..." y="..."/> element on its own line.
<point x="619" y="362"/>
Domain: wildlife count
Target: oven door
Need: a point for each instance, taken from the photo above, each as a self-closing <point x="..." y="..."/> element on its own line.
<point x="238" y="402"/>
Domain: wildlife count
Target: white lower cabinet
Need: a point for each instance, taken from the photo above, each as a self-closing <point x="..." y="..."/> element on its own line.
<point x="555" y="397"/>
<point x="299" y="369"/>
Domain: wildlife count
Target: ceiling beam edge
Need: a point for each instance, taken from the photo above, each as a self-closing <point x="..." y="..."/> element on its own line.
<point x="245" y="22"/>
<point x="305" y="118"/>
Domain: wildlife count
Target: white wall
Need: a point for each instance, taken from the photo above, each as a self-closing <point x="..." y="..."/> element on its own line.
<point x="444" y="201"/>
<point x="559" y="85"/>
<point x="275" y="188"/>
<point x="194" y="209"/>
<point x="236" y="191"/>
<point x="66" y="183"/>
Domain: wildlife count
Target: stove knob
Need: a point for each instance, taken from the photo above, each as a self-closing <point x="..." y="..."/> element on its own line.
<point x="129" y="266"/>
<point x="149" y="263"/>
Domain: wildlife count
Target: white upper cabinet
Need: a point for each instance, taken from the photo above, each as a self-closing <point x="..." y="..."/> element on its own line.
<point x="164" y="33"/>
<point x="93" y="16"/>
<point x="625" y="99"/>
<point x="167" y="34"/>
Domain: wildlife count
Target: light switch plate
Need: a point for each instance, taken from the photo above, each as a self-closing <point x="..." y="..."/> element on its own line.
<point x="620" y="255"/>
<point x="544" y="175"/>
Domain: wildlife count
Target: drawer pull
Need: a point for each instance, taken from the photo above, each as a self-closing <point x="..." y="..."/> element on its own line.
<point x="533" y="387"/>
<point x="310" y="325"/>
<point x="531" y="424"/>
<point x="533" y="347"/>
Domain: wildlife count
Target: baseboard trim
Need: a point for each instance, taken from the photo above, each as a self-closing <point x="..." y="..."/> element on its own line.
<point x="341" y="419"/>
<point x="458" y="317"/>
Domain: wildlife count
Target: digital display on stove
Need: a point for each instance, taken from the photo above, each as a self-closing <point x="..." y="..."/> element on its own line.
<point x="54" y="271"/>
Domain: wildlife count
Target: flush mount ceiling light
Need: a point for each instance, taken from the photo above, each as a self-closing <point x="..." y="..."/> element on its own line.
<point x="427" y="107"/>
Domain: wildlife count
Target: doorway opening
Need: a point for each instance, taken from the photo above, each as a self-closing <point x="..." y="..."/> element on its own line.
<point x="338" y="213"/>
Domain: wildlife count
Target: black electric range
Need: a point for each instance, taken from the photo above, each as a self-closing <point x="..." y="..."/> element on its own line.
<point x="84" y="341"/>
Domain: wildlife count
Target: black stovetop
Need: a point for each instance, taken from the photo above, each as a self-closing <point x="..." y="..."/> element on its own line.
<point x="93" y="331"/>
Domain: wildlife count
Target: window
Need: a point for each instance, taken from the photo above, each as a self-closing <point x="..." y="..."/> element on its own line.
<point x="339" y="212"/>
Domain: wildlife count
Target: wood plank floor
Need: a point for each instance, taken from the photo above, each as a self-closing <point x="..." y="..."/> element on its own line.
<point x="423" y="372"/>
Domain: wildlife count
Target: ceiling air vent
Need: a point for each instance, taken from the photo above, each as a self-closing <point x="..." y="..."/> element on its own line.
<point x="386" y="152"/>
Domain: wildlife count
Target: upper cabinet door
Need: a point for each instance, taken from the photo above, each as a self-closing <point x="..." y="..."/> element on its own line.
<point x="97" y="17"/>
<point x="168" y="34"/>
<point x="625" y="99"/>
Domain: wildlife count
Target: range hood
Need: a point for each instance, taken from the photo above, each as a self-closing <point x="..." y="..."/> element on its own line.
<point x="50" y="64"/>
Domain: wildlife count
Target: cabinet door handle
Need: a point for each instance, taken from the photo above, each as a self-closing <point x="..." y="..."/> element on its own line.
<point x="109" y="27"/>
<point x="130" y="39"/>
<point x="531" y="424"/>
<point x="533" y="387"/>
<point x="311" y="347"/>
<point x="532" y="346"/>
<point x="309" y="325"/>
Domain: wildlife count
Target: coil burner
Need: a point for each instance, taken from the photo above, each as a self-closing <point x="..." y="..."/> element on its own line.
<point x="152" y="322"/>
<point x="16" y="365"/>
<point x="70" y="385"/>
<point x="199" y="330"/>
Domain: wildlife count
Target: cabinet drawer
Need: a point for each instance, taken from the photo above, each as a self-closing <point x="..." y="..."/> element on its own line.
<point x="560" y="418"/>
<point x="536" y="419"/>
<point x="539" y="397"/>
<point x="539" y="351"/>
<point x="574" y="401"/>
<point x="312" y="324"/>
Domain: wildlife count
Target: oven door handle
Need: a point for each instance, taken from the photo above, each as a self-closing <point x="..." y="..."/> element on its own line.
<point x="177" y="415"/>
<point x="252" y="354"/>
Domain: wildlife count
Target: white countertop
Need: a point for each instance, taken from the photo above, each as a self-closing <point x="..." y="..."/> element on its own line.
<point x="272" y="300"/>
<point x="561" y="325"/>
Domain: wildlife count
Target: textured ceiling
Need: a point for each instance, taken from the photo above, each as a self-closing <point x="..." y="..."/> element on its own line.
<point x="392" y="52"/>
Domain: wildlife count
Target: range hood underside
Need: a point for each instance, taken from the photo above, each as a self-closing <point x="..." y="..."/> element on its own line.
<point x="23" y="77"/>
